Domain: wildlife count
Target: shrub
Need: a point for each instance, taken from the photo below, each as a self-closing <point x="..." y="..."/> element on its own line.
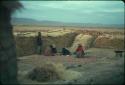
<point x="52" y="71"/>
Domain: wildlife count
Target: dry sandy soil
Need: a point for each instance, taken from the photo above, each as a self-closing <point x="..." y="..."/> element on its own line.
<point x="100" y="66"/>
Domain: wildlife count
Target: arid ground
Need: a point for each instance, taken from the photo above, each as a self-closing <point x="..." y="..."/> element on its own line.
<point x="100" y="65"/>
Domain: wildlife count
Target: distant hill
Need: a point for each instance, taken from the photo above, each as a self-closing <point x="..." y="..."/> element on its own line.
<point x="26" y="21"/>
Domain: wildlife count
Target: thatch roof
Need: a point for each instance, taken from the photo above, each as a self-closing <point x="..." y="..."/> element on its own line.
<point x="11" y="5"/>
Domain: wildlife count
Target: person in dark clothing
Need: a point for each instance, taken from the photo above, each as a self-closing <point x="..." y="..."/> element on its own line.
<point x="53" y="49"/>
<point x="39" y="43"/>
<point x="65" y="51"/>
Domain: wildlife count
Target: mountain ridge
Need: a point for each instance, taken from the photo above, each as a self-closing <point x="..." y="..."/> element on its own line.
<point x="28" y="21"/>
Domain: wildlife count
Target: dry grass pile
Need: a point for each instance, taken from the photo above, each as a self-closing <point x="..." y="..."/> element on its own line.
<point x="52" y="71"/>
<point x="108" y="41"/>
<point x="85" y="40"/>
<point x="44" y="73"/>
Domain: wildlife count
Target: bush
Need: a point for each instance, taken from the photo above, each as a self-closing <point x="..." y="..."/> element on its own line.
<point x="52" y="71"/>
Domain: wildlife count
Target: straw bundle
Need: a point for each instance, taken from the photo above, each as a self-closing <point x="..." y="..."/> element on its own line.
<point x="85" y="40"/>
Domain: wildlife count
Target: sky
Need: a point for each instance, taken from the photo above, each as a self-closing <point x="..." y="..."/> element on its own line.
<point x="96" y="12"/>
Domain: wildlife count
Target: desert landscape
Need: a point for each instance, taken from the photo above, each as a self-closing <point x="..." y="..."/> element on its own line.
<point x="99" y="64"/>
<point x="62" y="42"/>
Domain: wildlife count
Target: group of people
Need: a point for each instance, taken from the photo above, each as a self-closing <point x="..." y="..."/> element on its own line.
<point x="51" y="49"/>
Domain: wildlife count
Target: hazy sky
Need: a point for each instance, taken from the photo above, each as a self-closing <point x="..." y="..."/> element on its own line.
<point x="104" y="12"/>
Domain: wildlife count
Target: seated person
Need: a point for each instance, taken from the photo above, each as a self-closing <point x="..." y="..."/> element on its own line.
<point x="80" y="51"/>
<point x="53" y="49"/>
<point x="65" y="51"/>
<point x="48" y="51"/>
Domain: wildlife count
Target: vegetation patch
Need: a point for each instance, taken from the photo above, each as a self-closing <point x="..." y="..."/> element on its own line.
<point x="50" y="72"/>
<point x="109" y="42"/>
